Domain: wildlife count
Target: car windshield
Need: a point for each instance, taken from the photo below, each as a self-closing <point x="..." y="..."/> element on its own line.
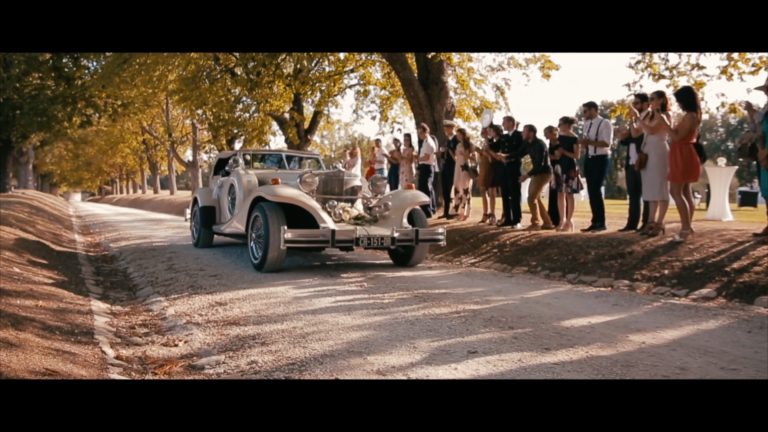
<point x="282" y="161"/>
<point x="264" y="161"/>
<point x="296" y="162"/>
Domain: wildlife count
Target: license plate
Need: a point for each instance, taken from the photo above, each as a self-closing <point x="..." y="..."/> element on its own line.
<point x="374" y="241"/>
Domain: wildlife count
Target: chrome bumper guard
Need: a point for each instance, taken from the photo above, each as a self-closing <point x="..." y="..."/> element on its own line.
<point x="324" y="237"/>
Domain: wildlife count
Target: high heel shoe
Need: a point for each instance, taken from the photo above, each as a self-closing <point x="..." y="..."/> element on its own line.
<point x="682" y="236"/>
<point x="485" y="218"/>
<point x="492" y="219"/>
<point x="657" y="229"/>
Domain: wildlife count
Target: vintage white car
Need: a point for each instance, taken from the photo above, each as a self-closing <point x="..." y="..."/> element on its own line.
<point x="281" y="199"/>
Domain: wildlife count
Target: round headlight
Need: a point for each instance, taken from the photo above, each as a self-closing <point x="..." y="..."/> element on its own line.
<point x="336" y="214"/>
<point x="330" y="205"/>
<point x="378" y="185"/>
<point x="380" y="208"/>
<point x="308" y="182"/>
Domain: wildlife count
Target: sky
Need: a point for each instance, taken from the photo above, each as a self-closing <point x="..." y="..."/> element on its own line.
<point x="583" y="77"/>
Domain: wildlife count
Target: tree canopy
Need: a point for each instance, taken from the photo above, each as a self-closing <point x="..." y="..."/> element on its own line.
<point x="160" y="113"/>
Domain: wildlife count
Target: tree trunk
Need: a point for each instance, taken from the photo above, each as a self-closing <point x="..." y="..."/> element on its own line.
<point x="29" y="168"/>
<point x="19" y="161"/>
<point x="426" y="89"/>
<point x="6" y="164"/>
<point x="154" y="169"/>
<point x="44" y="182"/>
<point x="154" y="166"/>
<point x="171" y="173"/>
<point x="143" y="174"/>
<point x="134" y="185"/>
<point x="25" y="173"/>
<point x="169" y="146"/>
<point x="231" y="142"/>
<point x="127" y="186"/>
<point x="120" y="183"/>
<point x="194" y="166"/>
<point x="297" y="135"/>
<point x="115" y="188"/>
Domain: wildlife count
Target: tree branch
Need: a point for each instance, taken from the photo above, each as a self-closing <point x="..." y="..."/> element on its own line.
<point x="284" y="126"/>
<point x="314" y="123"/>
<point x="412" y="87"/>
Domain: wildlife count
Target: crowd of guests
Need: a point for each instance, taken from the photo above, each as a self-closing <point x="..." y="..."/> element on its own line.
<point x="661" y="161"/>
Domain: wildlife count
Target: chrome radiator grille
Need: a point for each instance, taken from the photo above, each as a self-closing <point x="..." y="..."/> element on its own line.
<point x="331" y="187"/>
<point x="331" y="184"/>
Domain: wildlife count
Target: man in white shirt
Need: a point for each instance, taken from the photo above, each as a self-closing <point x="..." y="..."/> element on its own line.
<point x="596" y="139"/>
<point x="426" y="159"/>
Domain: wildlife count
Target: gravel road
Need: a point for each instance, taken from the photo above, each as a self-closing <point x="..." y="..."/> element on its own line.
<point x="205" y="313"/>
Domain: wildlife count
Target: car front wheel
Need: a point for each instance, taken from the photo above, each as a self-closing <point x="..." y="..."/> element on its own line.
<point x="409" y="256"/>
<point x="202" y="237"/>
<point x="264" y="230"/>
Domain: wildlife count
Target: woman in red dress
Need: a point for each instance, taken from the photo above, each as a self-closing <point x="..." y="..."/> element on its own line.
<point x="684" y="165"/>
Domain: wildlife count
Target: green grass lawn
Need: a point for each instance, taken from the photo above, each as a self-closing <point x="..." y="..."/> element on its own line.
<point x="616" y="212"/>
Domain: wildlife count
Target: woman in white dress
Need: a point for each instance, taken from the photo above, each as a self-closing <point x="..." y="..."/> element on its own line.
<point x="462" y="179"/>
<point x="654" y="174"/>
<point x="407" y="172"/>
<point x="353" y="165"/>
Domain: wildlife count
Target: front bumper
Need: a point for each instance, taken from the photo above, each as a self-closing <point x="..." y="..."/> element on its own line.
<point x="358" y="237"/>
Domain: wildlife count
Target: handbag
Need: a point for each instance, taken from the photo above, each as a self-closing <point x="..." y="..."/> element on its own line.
<point x="642" y="157"/>
<point x="474" y="172"/>
<point x="700" y="152"/>
<point x="471" y="169"/>
<point x="642" y="160"/>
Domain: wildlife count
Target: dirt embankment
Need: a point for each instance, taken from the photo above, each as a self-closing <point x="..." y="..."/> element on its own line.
<point x="46" y="325"/>
<point x="727" y="259"/>
<point x="160" y="203"/>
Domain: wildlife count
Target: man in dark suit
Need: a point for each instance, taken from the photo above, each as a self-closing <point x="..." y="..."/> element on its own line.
<point x="513" y="147"/>
<point x="449" y="166"/>
<point x="633" y="176"/>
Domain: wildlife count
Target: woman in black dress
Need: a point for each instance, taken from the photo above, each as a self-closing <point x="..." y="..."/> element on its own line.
<point x="569" y="183"/>
<point x="497" y="166"/>
<point x="550" y="133"/>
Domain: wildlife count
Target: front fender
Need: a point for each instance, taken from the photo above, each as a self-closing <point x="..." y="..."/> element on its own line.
<point x="402" y="201"/>
<point x="290" y="195"/>
<point x="204" y="197"/>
